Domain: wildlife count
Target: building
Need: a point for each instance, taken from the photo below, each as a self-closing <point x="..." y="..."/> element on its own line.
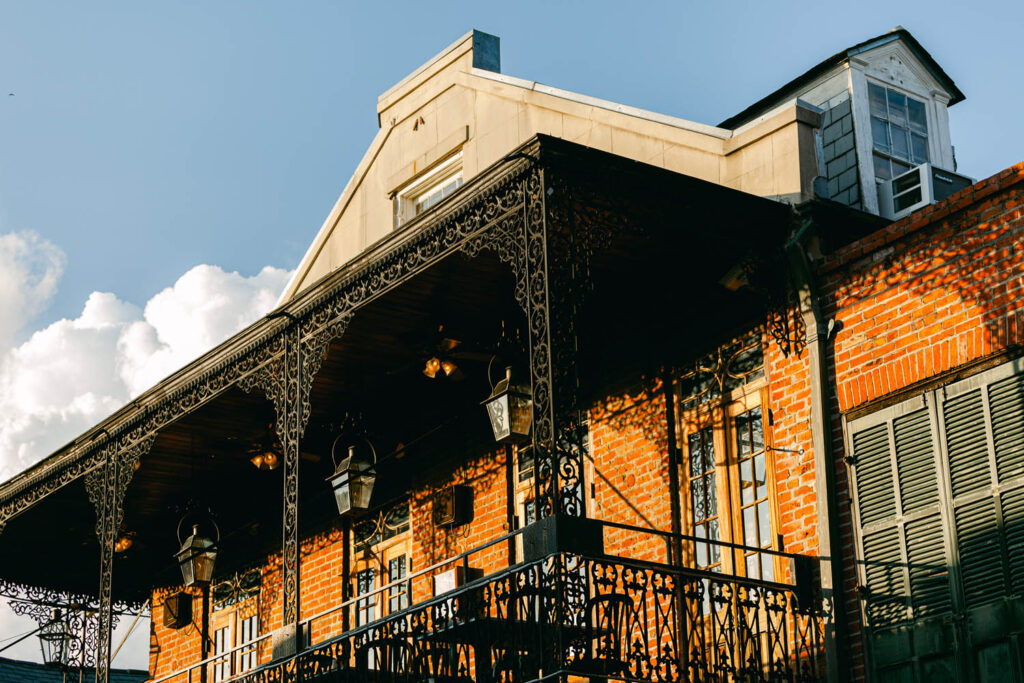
<point x="15" y="671"/>
<point x="706" y="340"/>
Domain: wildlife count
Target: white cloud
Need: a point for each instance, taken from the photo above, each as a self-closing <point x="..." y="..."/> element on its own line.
<point x="73" y="373"/>
<point x="30" y="268"/>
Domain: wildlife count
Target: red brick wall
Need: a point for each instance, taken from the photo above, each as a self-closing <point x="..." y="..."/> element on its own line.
<point x="630" y="470"/>
<point x="928" y="294"/>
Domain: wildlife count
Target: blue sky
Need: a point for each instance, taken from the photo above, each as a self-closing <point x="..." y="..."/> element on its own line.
<point x="145" y="138"/>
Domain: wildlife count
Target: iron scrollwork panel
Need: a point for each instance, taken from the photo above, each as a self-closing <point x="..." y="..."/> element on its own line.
<point x="106" y="487"/>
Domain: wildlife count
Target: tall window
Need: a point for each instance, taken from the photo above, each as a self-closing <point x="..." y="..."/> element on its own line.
<point x="235" y="628"/>
<point x="235" y="624"/>
<point x="383" y="548"/>
<point x="704" y="497"/>
<point x="899" y="131"/>
<point x="726" y="468"/>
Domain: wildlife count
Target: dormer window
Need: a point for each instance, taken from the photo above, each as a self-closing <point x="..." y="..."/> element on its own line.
<point x="899" y="131"/>
<point x="427" y="190"/>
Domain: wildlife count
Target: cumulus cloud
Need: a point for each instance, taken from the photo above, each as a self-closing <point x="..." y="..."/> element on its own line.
<point x="30" y="268"/>
<point x="73" y="373"/>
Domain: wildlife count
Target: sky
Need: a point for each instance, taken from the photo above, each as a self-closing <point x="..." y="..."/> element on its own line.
<point x="163" y="166"/>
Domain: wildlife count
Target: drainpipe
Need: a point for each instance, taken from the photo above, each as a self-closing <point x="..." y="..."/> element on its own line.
<point x="829" y="538"/>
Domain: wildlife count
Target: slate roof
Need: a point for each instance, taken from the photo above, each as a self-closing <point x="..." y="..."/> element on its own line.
<point x="17" y="671"/>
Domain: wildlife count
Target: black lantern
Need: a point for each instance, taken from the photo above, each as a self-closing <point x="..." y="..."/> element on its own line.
<point x="55" y="638"/>
<point x="353" y="480"/>
<point x="510" y="408"/>
<point x="197" y="556"/>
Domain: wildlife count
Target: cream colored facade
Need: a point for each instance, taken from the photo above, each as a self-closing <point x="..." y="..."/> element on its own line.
<point x="449" y="106"/>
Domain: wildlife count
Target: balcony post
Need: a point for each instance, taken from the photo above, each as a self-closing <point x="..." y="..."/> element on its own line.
<point x="106" y="487"/>
<point x="554" y="270"/>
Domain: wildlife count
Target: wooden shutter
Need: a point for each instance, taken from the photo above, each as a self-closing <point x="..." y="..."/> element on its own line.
<point x="938" y="488"/>
<point x="904" y="554"/>
<point x="983" y="427"/>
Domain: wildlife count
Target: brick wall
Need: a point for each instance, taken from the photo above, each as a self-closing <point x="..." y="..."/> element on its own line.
<point x="928" y="295"/>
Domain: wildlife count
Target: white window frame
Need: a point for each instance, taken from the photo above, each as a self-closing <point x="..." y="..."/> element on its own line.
<point x="929" y="119"/>
<point x="408" y="199"/>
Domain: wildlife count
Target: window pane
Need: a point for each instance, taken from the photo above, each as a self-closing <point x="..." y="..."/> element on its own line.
<point x="716" y="551"/>
<point x="919" y="148"/>
<point x="749" y="526"/>
<point x="697" y="494"/>
<point x="880" y="134"/>
<point x="897" y="108"/>
<point x="743" y="434"/>
<point x="752" y="566"/>
<point x="882" y="170"/>
<point x="757" y="429"/>
<point x="711" y="494"/>
<point x="899" y="168"/>
<point x="916" y="114"/>
<point x="767" y="572"/>
<point x="746" y="482"/>
<point x="876" y="94"/>
<point x="900" y="144"/>
<point x="760" y="476"/>
<point x="764" y="524"/>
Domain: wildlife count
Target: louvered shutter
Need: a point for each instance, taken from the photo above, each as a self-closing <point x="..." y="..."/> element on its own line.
<point x="938" y="484"/>
<point x="983" y="425"/>
<point x="903" y="548"/>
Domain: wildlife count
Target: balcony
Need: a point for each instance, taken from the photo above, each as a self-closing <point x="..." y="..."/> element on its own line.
<point x="565" y="614"/>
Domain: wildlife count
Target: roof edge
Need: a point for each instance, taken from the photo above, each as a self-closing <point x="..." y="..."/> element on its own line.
<point x="898" y="33"/>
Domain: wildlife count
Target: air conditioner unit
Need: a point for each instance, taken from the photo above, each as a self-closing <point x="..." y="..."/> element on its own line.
<point x="918" y="187"/>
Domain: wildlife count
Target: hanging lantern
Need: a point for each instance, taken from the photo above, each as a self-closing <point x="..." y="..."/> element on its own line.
<point x="55" y="639"/>
<point x="197" y="557"/>
<point x="353" y="480"/>
<point x="510" y="409"/>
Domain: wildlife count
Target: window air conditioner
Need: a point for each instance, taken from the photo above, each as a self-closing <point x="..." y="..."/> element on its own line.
<point x="918" y="187"/>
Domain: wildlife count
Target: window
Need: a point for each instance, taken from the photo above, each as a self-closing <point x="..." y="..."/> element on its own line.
<point x="727" y="487"/>
<point x="234" y="623"/>
<point x="383" y="547"/>
<point x="428" y="189"/>
<point x="234" y="628"/>
<point x="899" y="131"/>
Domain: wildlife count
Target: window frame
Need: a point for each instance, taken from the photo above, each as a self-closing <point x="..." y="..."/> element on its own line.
<point x="720" y="415"/>
<point x="231" y="618"/>
<point x="890" y="157"/>
<point x="377" y="558"/>
<point x="408" y="198"/>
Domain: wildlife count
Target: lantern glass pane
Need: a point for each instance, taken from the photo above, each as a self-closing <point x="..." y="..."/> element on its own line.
<point x="342" y="497"/>
<point x="362" y="488"/>
<point x="498" y="412"/>
<point x="521" y="414"/>
<point x="204" y="566"/>
<point x="187" y="573"/>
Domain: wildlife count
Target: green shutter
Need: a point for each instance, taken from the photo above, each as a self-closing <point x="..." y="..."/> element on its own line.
<point x="940" y="524"/>
<point x="1006" y="401"/>
<point x="915" y="461"/>
<point x="965" y="443"/>
<point x="874" y="475"/>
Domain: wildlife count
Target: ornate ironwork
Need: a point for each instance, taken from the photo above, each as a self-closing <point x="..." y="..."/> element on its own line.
<point x="637" y="621"/>
<point x="106" y="487"/>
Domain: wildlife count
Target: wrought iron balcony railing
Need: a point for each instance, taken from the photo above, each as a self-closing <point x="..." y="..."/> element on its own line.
<point x="601" y="617"/>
